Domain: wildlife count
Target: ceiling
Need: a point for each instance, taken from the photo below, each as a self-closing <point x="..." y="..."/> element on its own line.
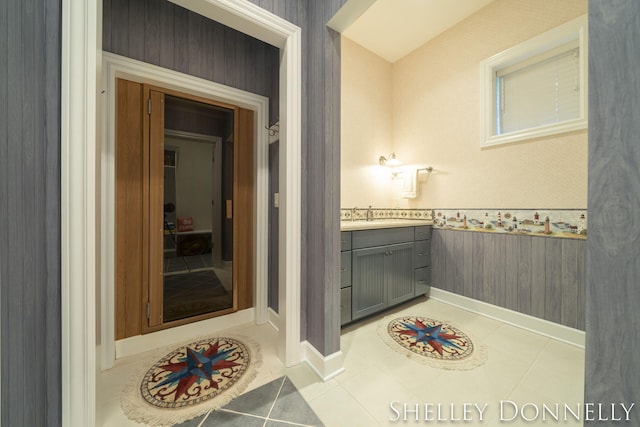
<point x="393" y="28"/>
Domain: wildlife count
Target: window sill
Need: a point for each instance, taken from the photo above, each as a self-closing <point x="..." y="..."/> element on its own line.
<point x="537" y="132"/>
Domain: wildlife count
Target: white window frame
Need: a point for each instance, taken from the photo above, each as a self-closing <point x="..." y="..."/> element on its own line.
<point x="575" y="30"/>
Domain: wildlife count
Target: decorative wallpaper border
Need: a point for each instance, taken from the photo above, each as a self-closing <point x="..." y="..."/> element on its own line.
<point x="360" y="214"/>
<point x="569" y="223"/>
<point x="564" y="223"/>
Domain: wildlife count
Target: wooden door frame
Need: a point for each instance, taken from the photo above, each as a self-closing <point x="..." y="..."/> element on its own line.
<point x="139" y="241"/>
<point x="151" y="193"/>
<point x="116" y="66"/>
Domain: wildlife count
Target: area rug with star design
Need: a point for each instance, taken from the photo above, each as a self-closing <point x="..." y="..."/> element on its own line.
<point x="432" y="342"/>
<point x="190" y="379"/>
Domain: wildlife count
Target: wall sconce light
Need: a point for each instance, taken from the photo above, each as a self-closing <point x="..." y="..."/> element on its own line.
<point x="391" y="161"/>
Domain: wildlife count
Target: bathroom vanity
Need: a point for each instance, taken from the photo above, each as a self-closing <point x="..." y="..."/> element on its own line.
<point x="384" y="263"/>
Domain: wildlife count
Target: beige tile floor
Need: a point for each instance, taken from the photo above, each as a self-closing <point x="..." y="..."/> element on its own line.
<point x="522" y="367"/>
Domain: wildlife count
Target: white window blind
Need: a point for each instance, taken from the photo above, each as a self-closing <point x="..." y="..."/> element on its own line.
<point x="539" y="91"/>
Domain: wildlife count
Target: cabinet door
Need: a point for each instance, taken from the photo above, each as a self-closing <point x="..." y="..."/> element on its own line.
<point x="399" y="263"/>
<point x="368" y="289"/>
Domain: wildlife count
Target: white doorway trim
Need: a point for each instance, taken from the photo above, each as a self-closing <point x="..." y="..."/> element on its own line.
<point x="78" y="234"/>
<point x="80" y="166"/>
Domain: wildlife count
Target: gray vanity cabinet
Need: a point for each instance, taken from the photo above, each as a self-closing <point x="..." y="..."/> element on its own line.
<point x="382" y="269"/>
<point x="422" y="264"/>
<point x="345" y="277"/>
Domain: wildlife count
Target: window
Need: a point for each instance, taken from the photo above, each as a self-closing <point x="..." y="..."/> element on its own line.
<point x="537" y="88"/>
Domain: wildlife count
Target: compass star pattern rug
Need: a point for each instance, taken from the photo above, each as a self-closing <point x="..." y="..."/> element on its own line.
<point x="190" y="380"/>
<point x="432" y="342"/>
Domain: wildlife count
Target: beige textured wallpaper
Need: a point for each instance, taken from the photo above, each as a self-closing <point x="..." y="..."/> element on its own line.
<point x="426" y="108"/>
<point x="436" y="119"/>
<point x="366" y="127"/>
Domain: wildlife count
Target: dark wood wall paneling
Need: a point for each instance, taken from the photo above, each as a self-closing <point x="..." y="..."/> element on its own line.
<point x="30" y="211"/>
<point x="161" y="33"/>
<point x="130" y="235"/>
<point x="539" y="276"/>
<point x="613" y="247"/>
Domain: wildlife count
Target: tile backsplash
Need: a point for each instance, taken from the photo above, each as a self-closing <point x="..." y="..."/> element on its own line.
<point x="360" y="214"/>
<point x="568" y="223"/>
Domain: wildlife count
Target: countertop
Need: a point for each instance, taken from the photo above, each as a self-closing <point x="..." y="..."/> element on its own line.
<point x="382" y="223"/>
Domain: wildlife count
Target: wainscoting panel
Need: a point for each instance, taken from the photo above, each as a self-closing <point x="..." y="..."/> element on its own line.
<point x="539" y="276"/>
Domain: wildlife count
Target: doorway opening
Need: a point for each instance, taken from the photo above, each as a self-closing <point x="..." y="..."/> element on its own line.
<point x="78" y="112"/>
<point x="184" y="208"/>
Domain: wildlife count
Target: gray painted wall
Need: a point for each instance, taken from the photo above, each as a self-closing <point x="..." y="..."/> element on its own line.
<point x="161" y="33"/>
<point x="613" y="247"/>
<point x="539" y="276"/>
<point x="323" y="180"/>
<point x="30" y="211"/>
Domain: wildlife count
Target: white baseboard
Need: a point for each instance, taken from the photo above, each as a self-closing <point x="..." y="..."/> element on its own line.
<point x="326" y="367"/>
<point x="141" y="343"/>
<point x="274" y="319"/>
<point x="543" y="327"/>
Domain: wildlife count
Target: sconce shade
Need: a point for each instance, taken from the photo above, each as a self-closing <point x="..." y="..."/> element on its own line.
<point x="391" y="161"/>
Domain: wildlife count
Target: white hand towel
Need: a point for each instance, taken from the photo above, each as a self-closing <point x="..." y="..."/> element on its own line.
<point x="409" y="188"/>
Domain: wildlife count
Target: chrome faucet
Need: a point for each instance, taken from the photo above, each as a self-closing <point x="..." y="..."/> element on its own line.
<point x="369" y="214"/>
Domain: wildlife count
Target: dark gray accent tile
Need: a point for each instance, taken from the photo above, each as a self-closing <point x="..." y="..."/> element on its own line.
<point x="258" y="401"/>
<point x="274" y="423"/>
<point x="222" y="418"/>
<point x="291" y="406"/>
<point x="194" y="422"/>
<point x="277" y="402"/>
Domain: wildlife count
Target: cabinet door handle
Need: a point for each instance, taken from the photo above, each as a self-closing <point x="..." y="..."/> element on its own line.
<point x="343" y="269"/>
<point x="421" y="254"/>
<point x="422" y="281"/>
<point x="390" y="252"/>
